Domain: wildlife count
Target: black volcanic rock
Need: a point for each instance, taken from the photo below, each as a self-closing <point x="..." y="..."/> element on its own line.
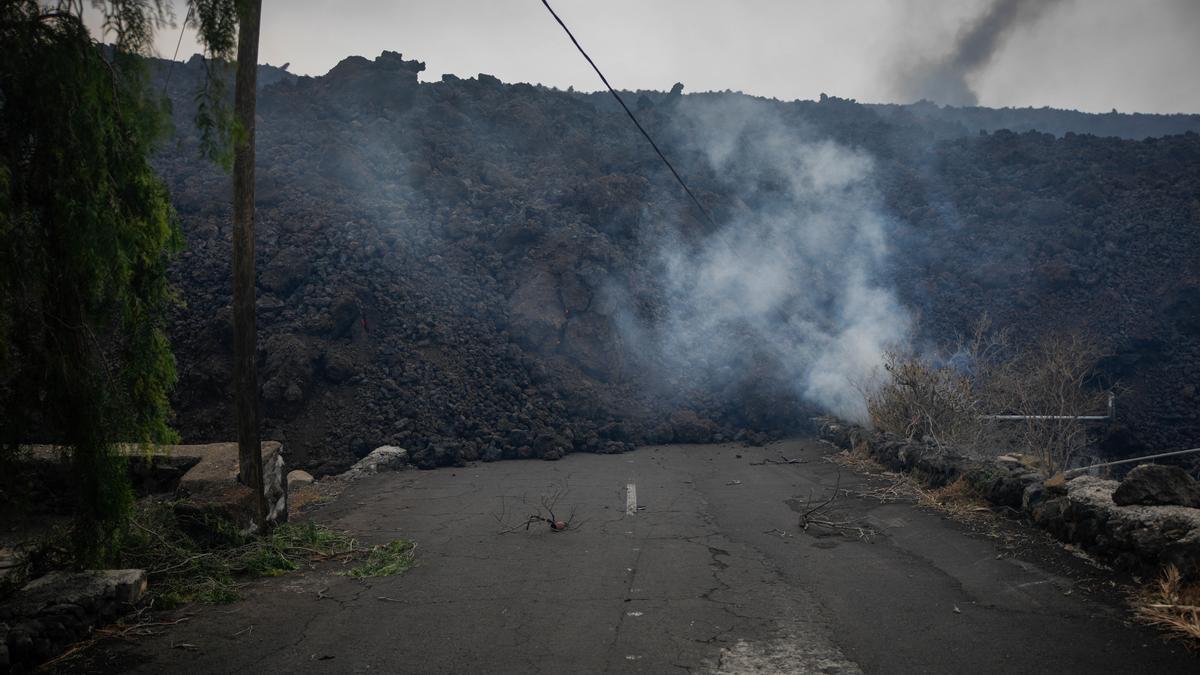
<point x="286" y="270"/>
<point x="444" y="266"/>
<point x="1158" y="484"/>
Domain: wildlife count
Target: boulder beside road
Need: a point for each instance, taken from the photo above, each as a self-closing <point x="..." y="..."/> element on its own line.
<point x="297" y="479"/>
<point x="383" y="458"/>
<point x="1158" y="485"/>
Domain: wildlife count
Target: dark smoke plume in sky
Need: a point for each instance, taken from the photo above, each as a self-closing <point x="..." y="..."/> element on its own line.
<point x="944" y="80"/>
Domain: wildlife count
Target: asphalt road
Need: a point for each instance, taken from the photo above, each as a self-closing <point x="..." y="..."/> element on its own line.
<point x="707" y="571"/>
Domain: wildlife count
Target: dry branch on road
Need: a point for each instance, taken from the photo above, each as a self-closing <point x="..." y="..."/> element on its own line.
<point x="546" y="513"/>
<point x="812" y="516"/>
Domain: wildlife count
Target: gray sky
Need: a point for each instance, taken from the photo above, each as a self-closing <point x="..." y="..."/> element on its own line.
<point x="1094" y="55"/>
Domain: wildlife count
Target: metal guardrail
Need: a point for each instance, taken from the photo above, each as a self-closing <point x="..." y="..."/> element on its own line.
<point x="1160" y="455"/>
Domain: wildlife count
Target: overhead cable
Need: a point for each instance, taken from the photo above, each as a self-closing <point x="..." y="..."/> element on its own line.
<point x="632" y="117"/>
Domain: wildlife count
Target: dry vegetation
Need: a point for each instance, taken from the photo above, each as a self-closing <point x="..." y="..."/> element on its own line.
<point x="546" y="511"/>
<point x="952" y="397"/>
<point x="212" y="569"/>
<point x="1173" y="606"/>
<point x="959" y="500"/>
<point x="1049" y="385"/>
<point x="941" y="396"/>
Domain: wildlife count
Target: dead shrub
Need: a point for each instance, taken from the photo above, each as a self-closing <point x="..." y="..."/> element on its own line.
<point x="941" y="396"/>
<point x="1048" y="387"/>
<point x="981" y="395"/>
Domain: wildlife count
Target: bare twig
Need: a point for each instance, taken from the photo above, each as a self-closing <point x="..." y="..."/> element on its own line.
<point x="127" y="632"/>
<point x="847" y="527"/>
<point x="811" y="518"/>
<point x="782" y="460"/>
<point x="804" y="517"/>
<point x="546" y="513"/>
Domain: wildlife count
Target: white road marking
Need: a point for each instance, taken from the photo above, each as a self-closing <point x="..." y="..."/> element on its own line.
<point x="630" y="499"/>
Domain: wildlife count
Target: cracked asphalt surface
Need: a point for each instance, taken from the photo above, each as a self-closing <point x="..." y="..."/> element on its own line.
<point x="711" y="573"/>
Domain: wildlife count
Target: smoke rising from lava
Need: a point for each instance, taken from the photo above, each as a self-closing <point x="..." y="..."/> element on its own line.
<point x="796" y="277"/>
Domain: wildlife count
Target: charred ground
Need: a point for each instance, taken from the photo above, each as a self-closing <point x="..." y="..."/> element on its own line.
<point x="443" y="266"/>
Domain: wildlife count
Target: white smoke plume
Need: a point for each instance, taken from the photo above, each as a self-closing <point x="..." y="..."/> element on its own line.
<point x="797" y="273"/>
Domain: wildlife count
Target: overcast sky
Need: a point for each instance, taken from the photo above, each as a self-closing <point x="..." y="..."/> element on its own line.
<point x="1094" y="55"/>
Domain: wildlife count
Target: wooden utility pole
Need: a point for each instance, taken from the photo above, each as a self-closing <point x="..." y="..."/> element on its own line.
<point x="245" y="372"/>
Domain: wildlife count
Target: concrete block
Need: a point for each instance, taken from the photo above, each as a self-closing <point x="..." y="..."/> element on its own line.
<point x="211" y="487"/>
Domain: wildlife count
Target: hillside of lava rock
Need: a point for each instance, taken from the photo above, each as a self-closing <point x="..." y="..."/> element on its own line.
<point x="456" y="267"/>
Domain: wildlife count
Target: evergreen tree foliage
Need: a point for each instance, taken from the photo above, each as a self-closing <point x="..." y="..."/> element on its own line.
<point x="86" y="234"/>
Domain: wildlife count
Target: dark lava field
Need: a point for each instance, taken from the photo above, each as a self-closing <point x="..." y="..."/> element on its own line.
<point x="474" y="269"/>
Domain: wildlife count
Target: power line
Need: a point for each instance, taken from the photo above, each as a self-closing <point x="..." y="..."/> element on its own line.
<point x="179" y="42"/>
<point x="631" y="115"/>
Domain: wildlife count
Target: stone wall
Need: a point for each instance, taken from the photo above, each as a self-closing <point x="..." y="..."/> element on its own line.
<point x="60" y="609"/>
<point x="1082" y="512"/>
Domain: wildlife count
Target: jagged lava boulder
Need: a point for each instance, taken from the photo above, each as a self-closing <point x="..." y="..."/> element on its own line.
<point x="1158" y="484"/>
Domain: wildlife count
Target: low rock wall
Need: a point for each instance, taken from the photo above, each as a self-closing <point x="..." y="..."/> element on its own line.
<point x="1134" y="538"/>
<point x="61" y="608"/>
